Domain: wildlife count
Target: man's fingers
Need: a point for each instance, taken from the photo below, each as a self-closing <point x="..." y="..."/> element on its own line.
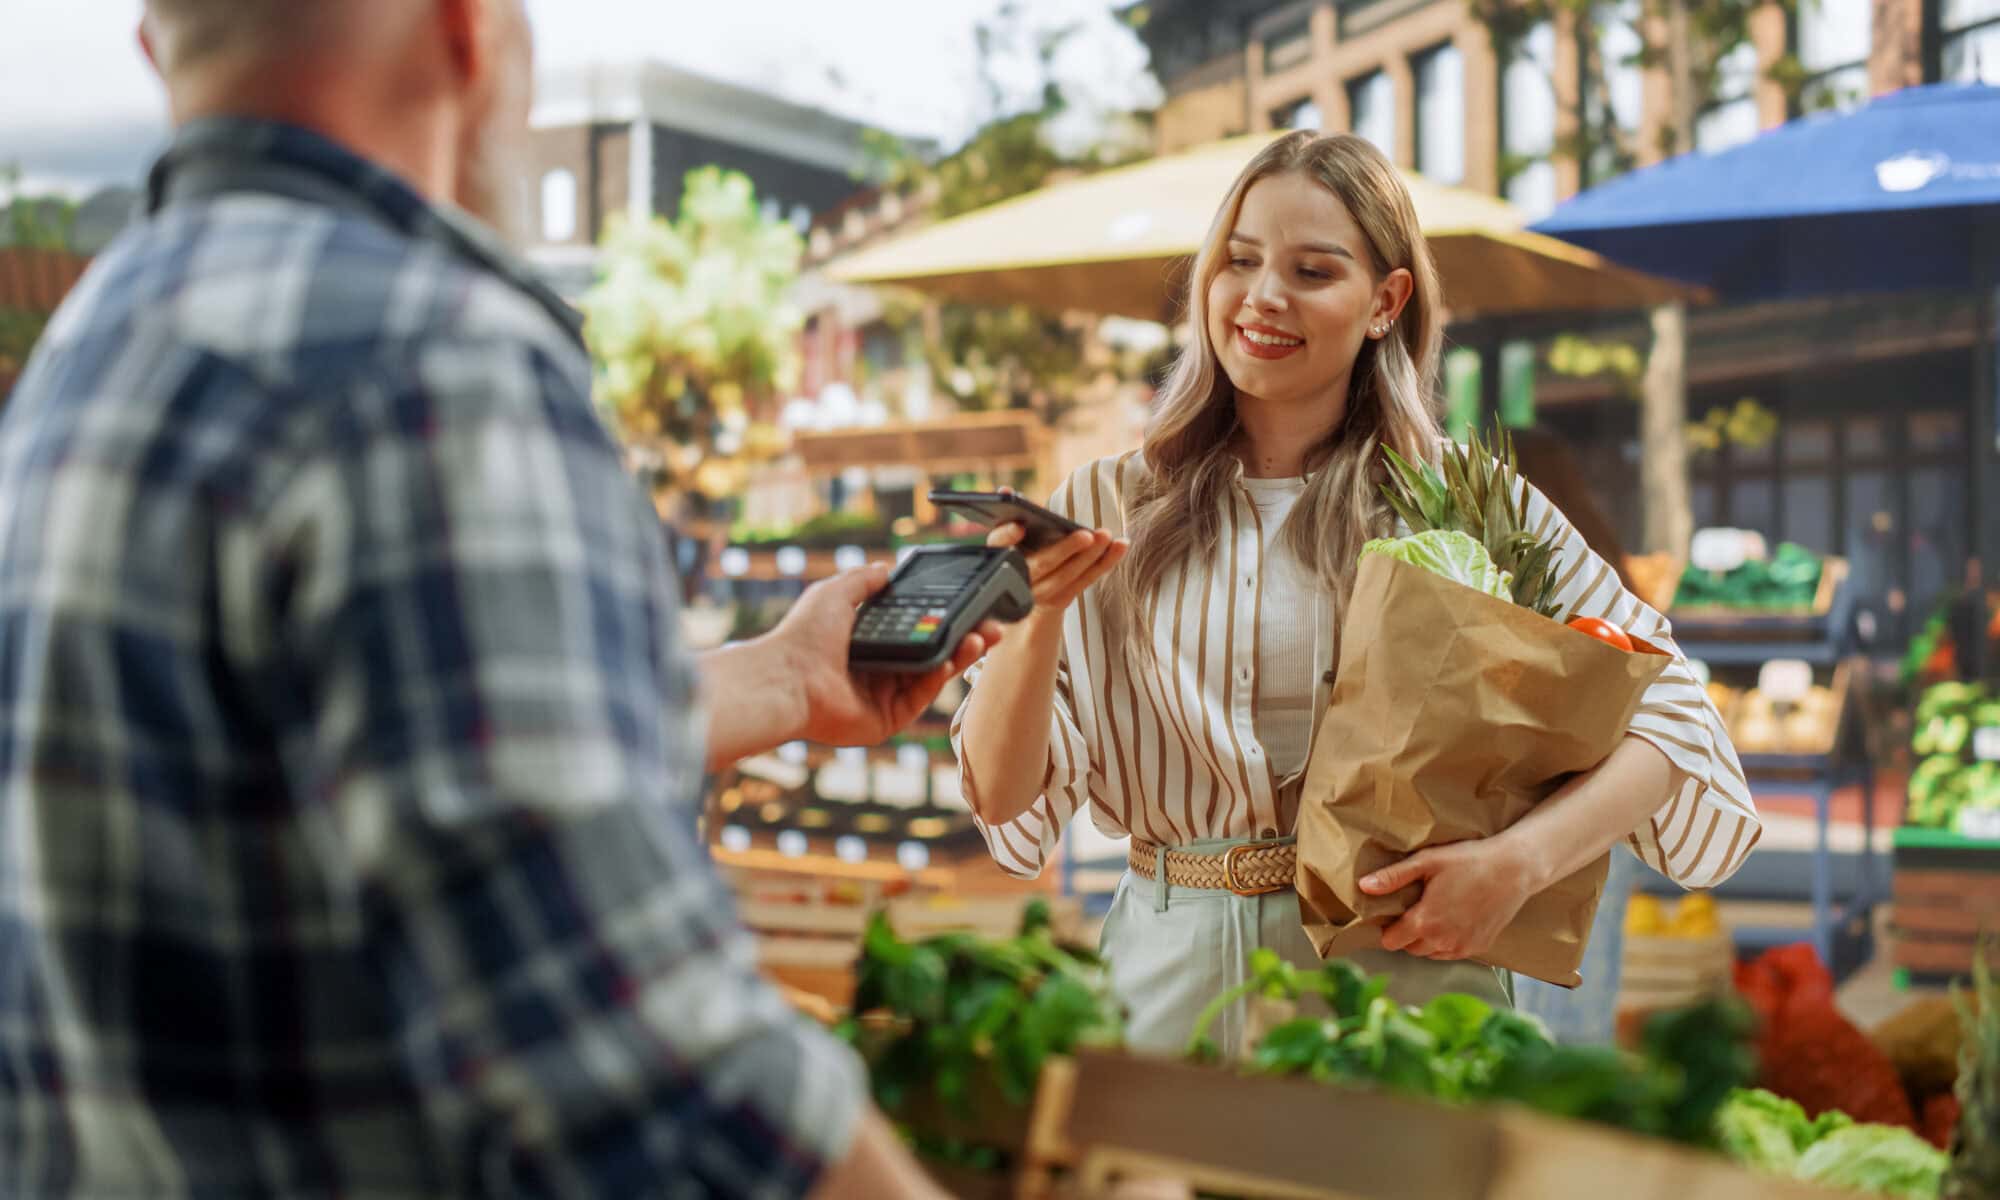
<point x="856" y="585"/>
<point x="969" y="652"/>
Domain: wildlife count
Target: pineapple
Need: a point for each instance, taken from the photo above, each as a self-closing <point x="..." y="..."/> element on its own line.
<point x="1476" y="494"/>
<point x="1974" y="1173"/>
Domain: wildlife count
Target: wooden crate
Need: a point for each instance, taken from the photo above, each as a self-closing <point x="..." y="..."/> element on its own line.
<point x="922" y="916"/>
<point x="1667" y="972"/>
<point x="1946" y="892"/>
<point x="1110" y="1117"/>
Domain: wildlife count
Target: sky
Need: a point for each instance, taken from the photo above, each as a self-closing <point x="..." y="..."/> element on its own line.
<point x="79" y="107"/>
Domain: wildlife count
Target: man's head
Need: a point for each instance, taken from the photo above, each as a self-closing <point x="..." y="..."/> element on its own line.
<point x="437" y="90"/>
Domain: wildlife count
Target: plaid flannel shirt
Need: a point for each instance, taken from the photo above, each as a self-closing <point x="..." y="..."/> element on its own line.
<point x="347" y="756"/>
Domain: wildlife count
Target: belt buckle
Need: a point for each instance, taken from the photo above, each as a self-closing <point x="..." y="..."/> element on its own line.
<point x="1229" y="879"/>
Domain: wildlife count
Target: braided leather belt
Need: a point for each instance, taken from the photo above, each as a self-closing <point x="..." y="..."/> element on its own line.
<point x="1249" y="869"/>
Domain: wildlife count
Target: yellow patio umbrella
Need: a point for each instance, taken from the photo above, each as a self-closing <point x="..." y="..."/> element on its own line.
<point x="1119" y="242"/>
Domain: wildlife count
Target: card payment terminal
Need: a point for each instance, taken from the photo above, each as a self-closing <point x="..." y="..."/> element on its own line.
<point x="937" y="596"/>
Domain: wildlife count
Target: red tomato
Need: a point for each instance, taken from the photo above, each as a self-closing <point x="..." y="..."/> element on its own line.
<point x="1603" y="631"/>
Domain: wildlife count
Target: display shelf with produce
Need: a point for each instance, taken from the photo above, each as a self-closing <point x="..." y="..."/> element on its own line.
<point x="999" y="1057"/>
<point x="1799" y="731"/>
<point x="1821" y="632"/>
<point x="1946" y="894"/>
<point x="1947" y="854"/>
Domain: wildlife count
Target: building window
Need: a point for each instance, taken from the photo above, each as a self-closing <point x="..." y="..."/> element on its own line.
<point x="1288" y="45"/>
<point x="1731" y="118"/>
<point x="1302" y="115"/>
<point x="1969" y="40"/>
<point x="1441" y="114"/>
<point x="1528" y="121"/>
<point x="801" y="217"/>
<point x="1615" y="91"/>
<point x="1371" y="102"/>
<point x="558" y="206"/>
<point x="1833" y="40"/>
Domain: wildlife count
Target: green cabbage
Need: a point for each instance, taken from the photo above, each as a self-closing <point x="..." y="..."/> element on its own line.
<point x="1772" y="1133"/>
<point x="1886" y="1159"/>
<point x="1457" y="556"/>
<point x="1761" y="1129"/>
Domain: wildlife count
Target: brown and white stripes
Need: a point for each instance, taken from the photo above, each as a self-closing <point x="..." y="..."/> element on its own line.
<point x="1168" y="751"/>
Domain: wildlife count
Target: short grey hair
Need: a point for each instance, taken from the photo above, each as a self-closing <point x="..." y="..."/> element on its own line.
<point x="189" y="32"/>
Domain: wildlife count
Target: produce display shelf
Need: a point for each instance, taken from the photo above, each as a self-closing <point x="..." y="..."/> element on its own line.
<point x="1947" y="895"/>
<point x="1753" y="654"/>
<point x="1841" y="929"/>
<point x="1911" y="837"/>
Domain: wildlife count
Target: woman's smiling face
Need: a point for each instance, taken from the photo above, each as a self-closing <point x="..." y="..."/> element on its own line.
<point x="1290" y="307"/>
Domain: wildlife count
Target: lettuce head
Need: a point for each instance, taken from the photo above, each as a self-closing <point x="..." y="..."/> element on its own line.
<point x="1885" y="1159"/>
<point x="1457" y="556"/>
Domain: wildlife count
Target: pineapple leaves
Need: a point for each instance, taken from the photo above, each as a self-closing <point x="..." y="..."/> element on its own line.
<point x="1475" y="490"/>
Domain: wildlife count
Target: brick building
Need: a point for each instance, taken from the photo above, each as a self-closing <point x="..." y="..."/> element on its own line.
<point x="1422" y="79"/>
<point x="622" y="138"/>
<point x="1874" y="452"/>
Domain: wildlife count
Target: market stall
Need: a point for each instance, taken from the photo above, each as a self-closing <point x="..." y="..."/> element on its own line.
<point x="1001" y="1060"/>
<point x="1774" y="632"/>
<point x="1947" y="856"/>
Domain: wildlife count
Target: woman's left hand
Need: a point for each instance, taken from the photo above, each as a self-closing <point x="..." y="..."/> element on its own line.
<point x="1471" y="891"/>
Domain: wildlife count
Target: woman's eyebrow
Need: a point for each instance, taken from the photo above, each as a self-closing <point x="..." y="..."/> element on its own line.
<point x="1308" y="247"/>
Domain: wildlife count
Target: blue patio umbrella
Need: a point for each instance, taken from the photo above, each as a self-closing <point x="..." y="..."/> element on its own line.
<point x="1899" y="194"/>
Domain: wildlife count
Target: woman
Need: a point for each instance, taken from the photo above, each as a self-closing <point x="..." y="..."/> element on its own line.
<point x="1178" y="700"/>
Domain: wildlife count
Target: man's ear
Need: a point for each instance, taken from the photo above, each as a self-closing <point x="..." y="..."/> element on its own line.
<point x="146" y="44"/>
<point x="463" y="25"/>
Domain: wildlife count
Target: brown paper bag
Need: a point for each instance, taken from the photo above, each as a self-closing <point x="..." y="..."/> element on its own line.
<point x="1454" y="714"/>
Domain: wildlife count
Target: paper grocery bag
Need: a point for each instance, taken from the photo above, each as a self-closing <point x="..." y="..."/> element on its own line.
<point x="1454" y="713"/>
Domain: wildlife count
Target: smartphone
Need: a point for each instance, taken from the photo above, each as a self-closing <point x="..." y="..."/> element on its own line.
<point x="992" y="509"/>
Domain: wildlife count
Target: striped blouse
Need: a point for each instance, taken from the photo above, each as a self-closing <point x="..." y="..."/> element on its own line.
<point x="1168" y="751"/>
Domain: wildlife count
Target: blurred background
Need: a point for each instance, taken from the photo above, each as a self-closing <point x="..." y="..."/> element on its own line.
<point x="834" y="255"/>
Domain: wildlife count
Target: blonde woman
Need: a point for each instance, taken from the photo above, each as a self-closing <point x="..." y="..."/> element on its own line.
<point x="1177" y="701"/>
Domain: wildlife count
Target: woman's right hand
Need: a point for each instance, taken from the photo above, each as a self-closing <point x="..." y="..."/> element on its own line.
<point x="1062" y="570"/>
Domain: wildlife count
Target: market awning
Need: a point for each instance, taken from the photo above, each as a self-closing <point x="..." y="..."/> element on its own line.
<point x="1902" y="193"/>
<point x="1119" y="242"/>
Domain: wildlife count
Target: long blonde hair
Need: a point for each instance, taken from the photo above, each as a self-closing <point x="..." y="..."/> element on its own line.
<point x="1177" y="512"/>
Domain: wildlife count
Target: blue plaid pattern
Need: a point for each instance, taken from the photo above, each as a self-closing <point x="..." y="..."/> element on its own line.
<point x="346" y="750"/>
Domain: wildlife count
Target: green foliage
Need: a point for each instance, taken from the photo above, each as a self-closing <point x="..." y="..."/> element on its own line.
<point x="35" y="222"/>
<point x="692" y="326"/>
<point x="1974" y="1172"/>
<point x="1788" y="581"/>
<point x="1748" y="424"/>
<point x="1947" y="780"/>
<point x="19" y="330"/>
<point x="1459" y="1049"/>
<point x="1585" y="358"/>
<point x="827" y="531"/>
<point x="1715" y="28"/>
<point x="995" y="358"/>
<point x="936" y="1018"/>
<point x="1004" y="357"/>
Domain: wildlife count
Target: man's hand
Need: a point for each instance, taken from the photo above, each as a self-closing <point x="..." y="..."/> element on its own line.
<point x="846" y="708"/>
<point x="1471" y="891"/>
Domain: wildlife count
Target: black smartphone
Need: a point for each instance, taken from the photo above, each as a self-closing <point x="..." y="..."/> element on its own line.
<point x="992" y="509"/>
